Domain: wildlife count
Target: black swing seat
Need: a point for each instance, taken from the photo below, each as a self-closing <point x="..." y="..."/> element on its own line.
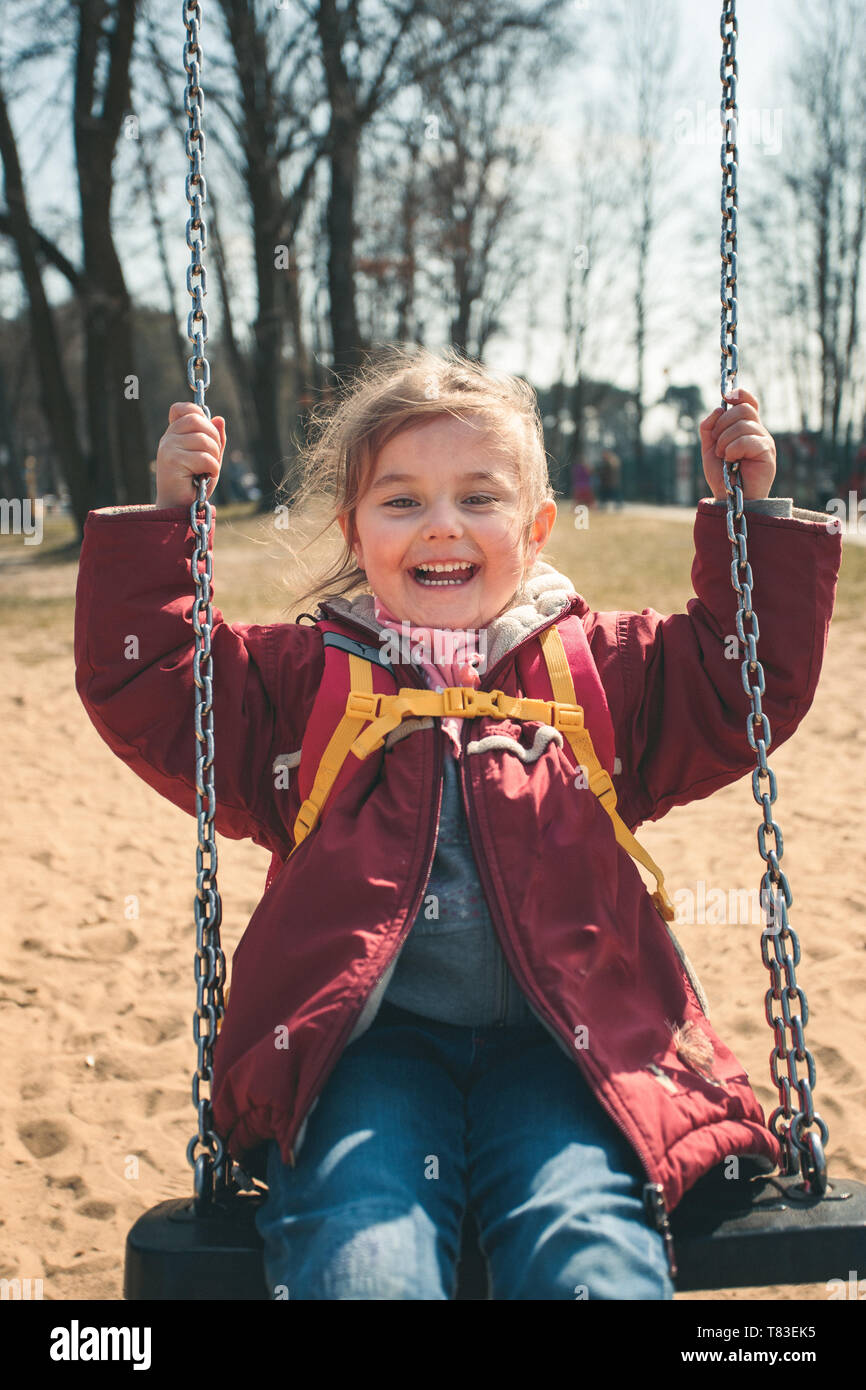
<point x="727" y="1234"/>
<point x="767" y="1230"/>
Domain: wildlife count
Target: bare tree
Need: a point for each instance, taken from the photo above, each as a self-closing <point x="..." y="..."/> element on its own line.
<point x="391" y="199"/>
<point x="118" y="443"/>
<point x="452" y="180"/>
<point x="150" y="189"/>
<point x="117" y="465"/>
<point x="646" y="40"/>
<point x="271" y="121"/>
<point x="810" y="235"/>
<point x="261" y="97"/>
<point x="591" y="279"/>
<point x="477" y="180"/>
<point x="367" y="62"/>
<point x="55" y="392"/>
<point x="158" y="42"/>
<point x="828" y="179"/>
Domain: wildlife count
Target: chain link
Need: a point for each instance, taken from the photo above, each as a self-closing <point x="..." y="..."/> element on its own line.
<point x="209" y="1165"/>
<point x="805" y="1150"/>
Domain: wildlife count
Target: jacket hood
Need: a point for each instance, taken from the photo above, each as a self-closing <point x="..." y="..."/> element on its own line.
<point x="545" y="592"/>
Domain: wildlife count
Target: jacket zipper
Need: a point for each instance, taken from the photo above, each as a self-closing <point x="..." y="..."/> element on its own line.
<point x="503" y="990"/>
<point x="410" y="918"/>
<point x="653" y="1192"/>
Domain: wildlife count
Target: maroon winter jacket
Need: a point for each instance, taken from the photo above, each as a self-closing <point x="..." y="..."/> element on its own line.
<point x="574" y="919"/>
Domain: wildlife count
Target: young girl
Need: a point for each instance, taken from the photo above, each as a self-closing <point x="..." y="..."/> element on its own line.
<point x="457" y="989"/>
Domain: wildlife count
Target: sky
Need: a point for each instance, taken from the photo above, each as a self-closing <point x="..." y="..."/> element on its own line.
<point x="684" y="283"/>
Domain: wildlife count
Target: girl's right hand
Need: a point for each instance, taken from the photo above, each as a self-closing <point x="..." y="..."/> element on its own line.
<point x="192" y="445"/>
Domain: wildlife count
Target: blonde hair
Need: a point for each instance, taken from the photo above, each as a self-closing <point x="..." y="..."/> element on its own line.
<point x="403" y="387"/>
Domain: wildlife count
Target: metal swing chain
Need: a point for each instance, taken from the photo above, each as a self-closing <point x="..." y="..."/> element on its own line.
<point x="788" y="1126"/>
<point x="209" y="1165"/>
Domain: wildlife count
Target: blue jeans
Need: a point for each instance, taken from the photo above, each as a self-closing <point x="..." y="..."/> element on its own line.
<point x="417" y="1119"/>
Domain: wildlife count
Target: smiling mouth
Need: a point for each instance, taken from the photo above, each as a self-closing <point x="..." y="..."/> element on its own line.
<point x="441" y="576"/>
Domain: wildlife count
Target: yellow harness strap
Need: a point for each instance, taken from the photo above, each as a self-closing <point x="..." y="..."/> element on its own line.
<point x="360" y="706"/>
<point x="599" y="779"/>
<point x="385" y="712"/>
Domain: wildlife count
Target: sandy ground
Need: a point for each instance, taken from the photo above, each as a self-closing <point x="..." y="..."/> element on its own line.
<point x="96" y="1004"/>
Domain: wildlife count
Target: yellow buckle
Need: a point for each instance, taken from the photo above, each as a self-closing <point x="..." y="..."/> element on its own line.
<point x="361" y="704"/>
<point x="540" y="710"/>
<point x="567" y="716"/>
<point x="460" y="699"/>
<point x="452" y="699"/>
<point x="663" y="905"/>
<point x="307" y="816"/>
<point x="601" y="786"/>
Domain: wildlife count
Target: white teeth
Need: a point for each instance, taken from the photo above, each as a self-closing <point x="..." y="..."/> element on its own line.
<point x="442" y="569"/>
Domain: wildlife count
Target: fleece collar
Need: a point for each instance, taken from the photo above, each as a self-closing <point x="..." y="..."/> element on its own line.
<point x="545" y="593"/>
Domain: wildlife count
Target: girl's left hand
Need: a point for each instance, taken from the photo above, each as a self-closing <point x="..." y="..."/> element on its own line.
<point x="737" y="433"/>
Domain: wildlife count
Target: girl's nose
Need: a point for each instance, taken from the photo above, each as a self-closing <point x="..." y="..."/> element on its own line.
<point x="442" y="520"/>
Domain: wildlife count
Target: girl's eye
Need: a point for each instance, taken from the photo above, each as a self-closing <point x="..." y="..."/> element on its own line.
<point x="478" y="497"/>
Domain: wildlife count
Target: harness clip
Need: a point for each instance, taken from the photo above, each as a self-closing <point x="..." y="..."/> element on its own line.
<point x="601" y="786"/>
<point x="306" y="818"/>
<point x="663" y="905"/>
<point x="362" y="705"/>
<point x="462" y="699"/>
<point x="567" y="716"/>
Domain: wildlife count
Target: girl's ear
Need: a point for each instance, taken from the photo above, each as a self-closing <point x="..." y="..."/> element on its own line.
<point x="535" y="541"/>
<point x="541" y="529"/>
<point x="345" y="527"/>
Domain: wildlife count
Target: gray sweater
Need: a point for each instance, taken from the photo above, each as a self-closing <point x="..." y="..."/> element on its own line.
<point x="451" y="967"/>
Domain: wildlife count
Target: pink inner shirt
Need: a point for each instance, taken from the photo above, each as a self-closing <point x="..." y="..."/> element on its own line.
<point x="458" y="644"/>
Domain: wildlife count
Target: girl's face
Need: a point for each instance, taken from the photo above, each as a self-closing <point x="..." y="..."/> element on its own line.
<point x="441" y="495"/>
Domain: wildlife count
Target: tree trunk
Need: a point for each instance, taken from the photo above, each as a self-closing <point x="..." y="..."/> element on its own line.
<point x="177" y="338"/>
<point x="54" y="393"/>
<point x="644" y="239"/>
<point x="12" y="482"/>
<point x="118" y="443"/>
<point x="345" y="139"/>
<point x="267" y="329"/>
<point x="239" y="363"/>
<point x="577" y="441"/>
<point x="341" y="237"/>
<point x="410" y="209"/>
